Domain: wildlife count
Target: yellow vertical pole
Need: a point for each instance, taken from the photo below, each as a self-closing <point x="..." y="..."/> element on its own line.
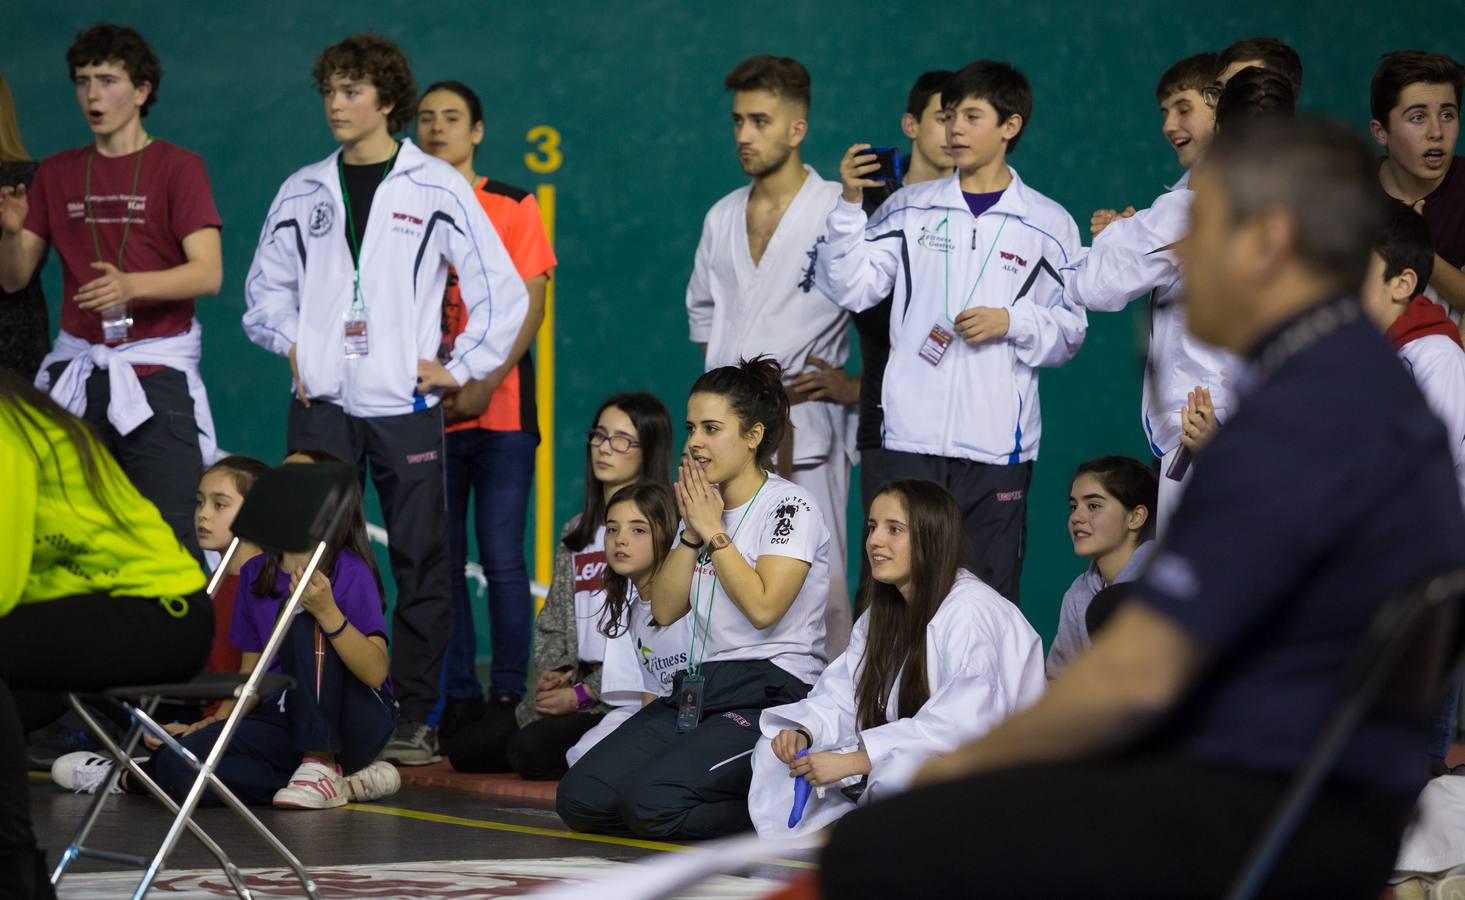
<point x="544" y="531"/>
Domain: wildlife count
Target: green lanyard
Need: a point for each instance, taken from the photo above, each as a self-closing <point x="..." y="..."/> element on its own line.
<point x="946" y="302"/>
<point x="356" y="302"/>
<point x="694" y="660"/>
<point x="126" y="216"/>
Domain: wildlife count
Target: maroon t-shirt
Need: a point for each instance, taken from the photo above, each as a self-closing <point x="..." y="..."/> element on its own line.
<point x="172" y="201"/>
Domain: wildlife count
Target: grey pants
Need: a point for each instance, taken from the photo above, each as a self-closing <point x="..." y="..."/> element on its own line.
<point x="405" y="457"/>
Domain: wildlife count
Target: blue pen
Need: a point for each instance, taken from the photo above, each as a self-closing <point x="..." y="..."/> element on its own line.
<point x="801" y="795"/>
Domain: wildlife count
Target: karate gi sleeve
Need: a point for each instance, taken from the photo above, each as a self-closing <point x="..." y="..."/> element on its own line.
<point x="828" y="713"/>
<point x="858" y="265"/>
<point x="699" y="288"/>
<point x="1128" y="259"/>
<point x="1046" y="328"/>
<point x="272" y="287"/>
<point x="985" y="671"/>
<point x="493" y="293"/>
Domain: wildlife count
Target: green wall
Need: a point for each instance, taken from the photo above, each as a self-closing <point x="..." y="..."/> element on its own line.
<point x="635" y="91"/>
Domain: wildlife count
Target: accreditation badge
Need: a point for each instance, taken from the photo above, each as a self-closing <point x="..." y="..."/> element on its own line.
<point x="936" y="344"/>
<point x="689" y="703"/>
<point x="356" y="343"/>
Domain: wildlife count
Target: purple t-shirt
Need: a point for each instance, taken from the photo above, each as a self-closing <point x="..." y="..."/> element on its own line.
<point x="352" y="584"/>
<point x="980" y="203"/>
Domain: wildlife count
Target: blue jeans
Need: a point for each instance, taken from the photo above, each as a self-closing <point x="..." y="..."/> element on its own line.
<point x="497" y="467"/>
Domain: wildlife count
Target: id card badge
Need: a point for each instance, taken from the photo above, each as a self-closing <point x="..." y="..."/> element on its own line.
<point x="356" y="343"/>
<point x="936" y="344"/>
<point x="689" y="703"/>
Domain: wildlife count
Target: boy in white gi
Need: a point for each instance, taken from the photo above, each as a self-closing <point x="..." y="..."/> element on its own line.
<point x="752" y="290"/>
<point x="973" y="260"/>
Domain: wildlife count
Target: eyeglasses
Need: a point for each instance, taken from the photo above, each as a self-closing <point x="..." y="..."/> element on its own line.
<point x="1211" y="93"/>
<point x="618" y="442"/>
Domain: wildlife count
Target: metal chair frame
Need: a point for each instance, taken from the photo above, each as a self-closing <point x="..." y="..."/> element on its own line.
<point x="141" y="702"/>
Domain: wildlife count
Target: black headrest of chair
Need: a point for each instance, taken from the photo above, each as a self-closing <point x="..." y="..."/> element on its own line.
<point x="1104" y="604"/>
<point x="292" y="508"/>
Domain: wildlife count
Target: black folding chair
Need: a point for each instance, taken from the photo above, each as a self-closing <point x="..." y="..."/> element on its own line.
<point x="292" y="509"/>
<point x="1411" y="652"/>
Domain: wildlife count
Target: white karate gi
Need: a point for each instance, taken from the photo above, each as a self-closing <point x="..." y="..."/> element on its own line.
<point x="741" y="310"/>
<point x="983" y="662"/>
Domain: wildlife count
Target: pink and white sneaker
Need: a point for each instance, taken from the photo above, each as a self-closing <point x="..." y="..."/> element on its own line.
<point x="314" y="785"/>
<point x="375" y="782"/>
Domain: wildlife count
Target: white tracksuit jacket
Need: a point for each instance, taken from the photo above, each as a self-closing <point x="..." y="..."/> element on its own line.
<point x="423" y="219"/>
<point x="980" y="403"/>
<point x="1127" y="261"/>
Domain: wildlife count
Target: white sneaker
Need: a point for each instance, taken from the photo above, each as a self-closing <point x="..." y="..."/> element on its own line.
<point x="314" y="785"/>
<point x="83" y="771"/>
<point x="378" y="780"/>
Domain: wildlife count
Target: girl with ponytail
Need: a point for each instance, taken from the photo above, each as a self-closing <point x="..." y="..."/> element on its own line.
<point x="751" y="569"/>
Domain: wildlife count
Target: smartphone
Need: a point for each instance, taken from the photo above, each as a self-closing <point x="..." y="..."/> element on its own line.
<point x="892" y="165"/>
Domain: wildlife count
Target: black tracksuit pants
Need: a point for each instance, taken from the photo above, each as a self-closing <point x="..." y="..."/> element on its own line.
<point x="647" y="780"/>
<point x="994" y="510"/>
<point x="405" y="457"/>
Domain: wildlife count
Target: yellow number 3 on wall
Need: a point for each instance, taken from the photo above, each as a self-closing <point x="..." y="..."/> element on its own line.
<point x="546" y="156"/>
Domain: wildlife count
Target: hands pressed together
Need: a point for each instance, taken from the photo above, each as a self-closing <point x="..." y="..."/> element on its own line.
<point x="699" y="502"/>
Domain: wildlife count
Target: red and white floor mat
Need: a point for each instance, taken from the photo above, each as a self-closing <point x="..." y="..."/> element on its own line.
<point x="445" y="880"/>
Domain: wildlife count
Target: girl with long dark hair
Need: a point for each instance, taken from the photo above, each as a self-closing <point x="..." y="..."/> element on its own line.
<point x="640" y="656"/>
<point x="95" y="592"/>
<point x="628" y="443"/>
<point x="751" y="571"/>
<point x="937" y="658"/>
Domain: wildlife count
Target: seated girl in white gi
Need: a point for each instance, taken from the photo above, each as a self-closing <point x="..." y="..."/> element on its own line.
<point x="937" y="659"/>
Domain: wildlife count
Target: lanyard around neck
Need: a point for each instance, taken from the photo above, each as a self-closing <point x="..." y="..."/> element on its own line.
<point x="351" y="219"/>
<point x="694" y="660"/>
<point x="946" y="301"/>
<point x="126" y="204"/>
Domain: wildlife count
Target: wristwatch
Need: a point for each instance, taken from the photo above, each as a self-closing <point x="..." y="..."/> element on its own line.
<point x="718" y="541"/>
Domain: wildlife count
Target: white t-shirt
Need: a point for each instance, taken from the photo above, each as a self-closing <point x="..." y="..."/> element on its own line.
<point x="643" y="658"/>
<point x="782" y="520"/>
<point x="588" y="566"/>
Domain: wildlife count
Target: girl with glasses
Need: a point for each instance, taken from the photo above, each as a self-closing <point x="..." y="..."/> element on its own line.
<point x="629" y="443"/>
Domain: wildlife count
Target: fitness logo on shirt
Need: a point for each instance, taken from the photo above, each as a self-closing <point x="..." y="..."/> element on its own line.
<point x="785" y="516"/>
<point x="663" y="668"/>
<point x="930" y="240"/>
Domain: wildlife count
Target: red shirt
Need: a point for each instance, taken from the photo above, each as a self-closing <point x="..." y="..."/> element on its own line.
<point x="223" y="655"/>
<point x="515" y="217"/>
<point x="172" y="201"/>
